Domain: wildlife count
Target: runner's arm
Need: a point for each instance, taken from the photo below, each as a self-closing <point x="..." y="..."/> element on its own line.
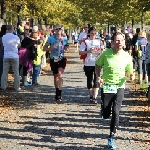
<point x="83" y="49"/>
<point x="98" y="77"/>
<point x="97" y="71"/>
<point x="80" y="39"/>
<point x="48" y="48"/>
<point x="99" y="64"/>
<point x="102" y="46"/>
<point x="129" y="67"/>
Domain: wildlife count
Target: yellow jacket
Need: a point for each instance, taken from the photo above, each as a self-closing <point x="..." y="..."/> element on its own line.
<point x="40" y="53"/>
<point x="37" y="61"/>
<point x="21" y="28"/>
<point x="44" y="41"/>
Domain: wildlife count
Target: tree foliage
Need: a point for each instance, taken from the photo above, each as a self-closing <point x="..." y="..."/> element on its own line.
<point x="77" y="12"/>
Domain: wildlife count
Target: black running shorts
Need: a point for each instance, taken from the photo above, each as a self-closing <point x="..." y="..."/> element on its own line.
<point x="55" y="65"/>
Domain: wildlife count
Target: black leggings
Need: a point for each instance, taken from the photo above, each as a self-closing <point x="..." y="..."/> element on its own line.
<point x="24" y="69"/>
<point x="114" y="101"/>
<point x="89" y="72"/>
<point x="134" y="55"/>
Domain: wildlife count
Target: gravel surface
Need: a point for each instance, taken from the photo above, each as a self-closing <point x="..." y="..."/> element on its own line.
<point x="30" y="119"/>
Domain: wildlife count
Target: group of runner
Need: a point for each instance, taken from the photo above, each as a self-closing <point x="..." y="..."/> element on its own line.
<point x="114" y="61"/>
<point x="106" y="60"/>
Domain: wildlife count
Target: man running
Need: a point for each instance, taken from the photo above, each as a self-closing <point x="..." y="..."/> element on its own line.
<point x="57" y="58"/>
<point x="115" y="62"/>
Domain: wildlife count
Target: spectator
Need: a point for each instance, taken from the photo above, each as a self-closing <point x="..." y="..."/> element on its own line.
<point x="37" y="62"/>
<point x="141" y="56"/>
<point x="25" y="61"/>
<point x="11" y="44"/>
<point x="25" y="33"/>
<point x="20" y="28"/>
<point x="3" y="32"/>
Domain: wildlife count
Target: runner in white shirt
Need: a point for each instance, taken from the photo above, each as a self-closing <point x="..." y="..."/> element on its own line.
<point x="72" y="34"/>
<point x="83" y="35"/>
<point x="91" y="47"/>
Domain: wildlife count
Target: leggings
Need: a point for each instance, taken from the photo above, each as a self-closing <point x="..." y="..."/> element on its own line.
<point x="24" y="69"/>
<point x="90" y="73"/>
<point x="112" y="101"/>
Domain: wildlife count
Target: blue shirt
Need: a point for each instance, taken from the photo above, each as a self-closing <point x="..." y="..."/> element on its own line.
<point x="76" y="37"/>
<point x="98" y="35"/>
<point x="59" y="51"/>
<point x="65" y="39"/>
<point x="142" y="42"/>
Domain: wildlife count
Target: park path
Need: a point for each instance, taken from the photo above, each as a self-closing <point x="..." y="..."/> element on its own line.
<point x="31" y="120"/>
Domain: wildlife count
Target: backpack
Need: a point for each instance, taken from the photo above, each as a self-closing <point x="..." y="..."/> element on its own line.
<point x="33" y="52"/>
<point x="84" y="56"/>
<point x="142" y="49"/>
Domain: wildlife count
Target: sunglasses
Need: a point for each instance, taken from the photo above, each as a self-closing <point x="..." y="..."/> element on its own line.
<point x="26" y="29"/>
<point x="58" y="29"/>
<point x="85" y="27"/>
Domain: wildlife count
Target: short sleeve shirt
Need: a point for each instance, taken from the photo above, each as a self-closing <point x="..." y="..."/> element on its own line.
<point x="59" y="51"/>
<point x="83" y="35"/>
<point x="91" y="57"/>
<point x="10" y="43"/>
<point x="142" y="42"/>
<point x="114" y="66"/>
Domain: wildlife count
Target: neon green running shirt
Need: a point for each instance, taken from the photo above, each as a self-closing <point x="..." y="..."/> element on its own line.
<point x="115" y="66"/>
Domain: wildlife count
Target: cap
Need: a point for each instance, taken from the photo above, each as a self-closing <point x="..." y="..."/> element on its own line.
<point x="57" y="26"/>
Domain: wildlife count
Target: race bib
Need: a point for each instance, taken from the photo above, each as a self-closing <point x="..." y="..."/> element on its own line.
<point x="56" y="58"/>
<point x="107" y="88"/>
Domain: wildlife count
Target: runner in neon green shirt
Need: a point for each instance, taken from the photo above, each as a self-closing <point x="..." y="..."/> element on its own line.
<point x="115" y="66"/>
<point x="115" y="62"/>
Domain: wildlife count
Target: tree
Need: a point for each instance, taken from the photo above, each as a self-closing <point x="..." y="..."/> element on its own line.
<point x="76" y="12"/>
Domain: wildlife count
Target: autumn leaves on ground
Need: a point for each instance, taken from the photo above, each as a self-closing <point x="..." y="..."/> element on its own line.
<point x="140" y="106"/>
<point x="10" y="99"/>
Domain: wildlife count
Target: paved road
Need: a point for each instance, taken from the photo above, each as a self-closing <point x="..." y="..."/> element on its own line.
<point x="32" y="120"/>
